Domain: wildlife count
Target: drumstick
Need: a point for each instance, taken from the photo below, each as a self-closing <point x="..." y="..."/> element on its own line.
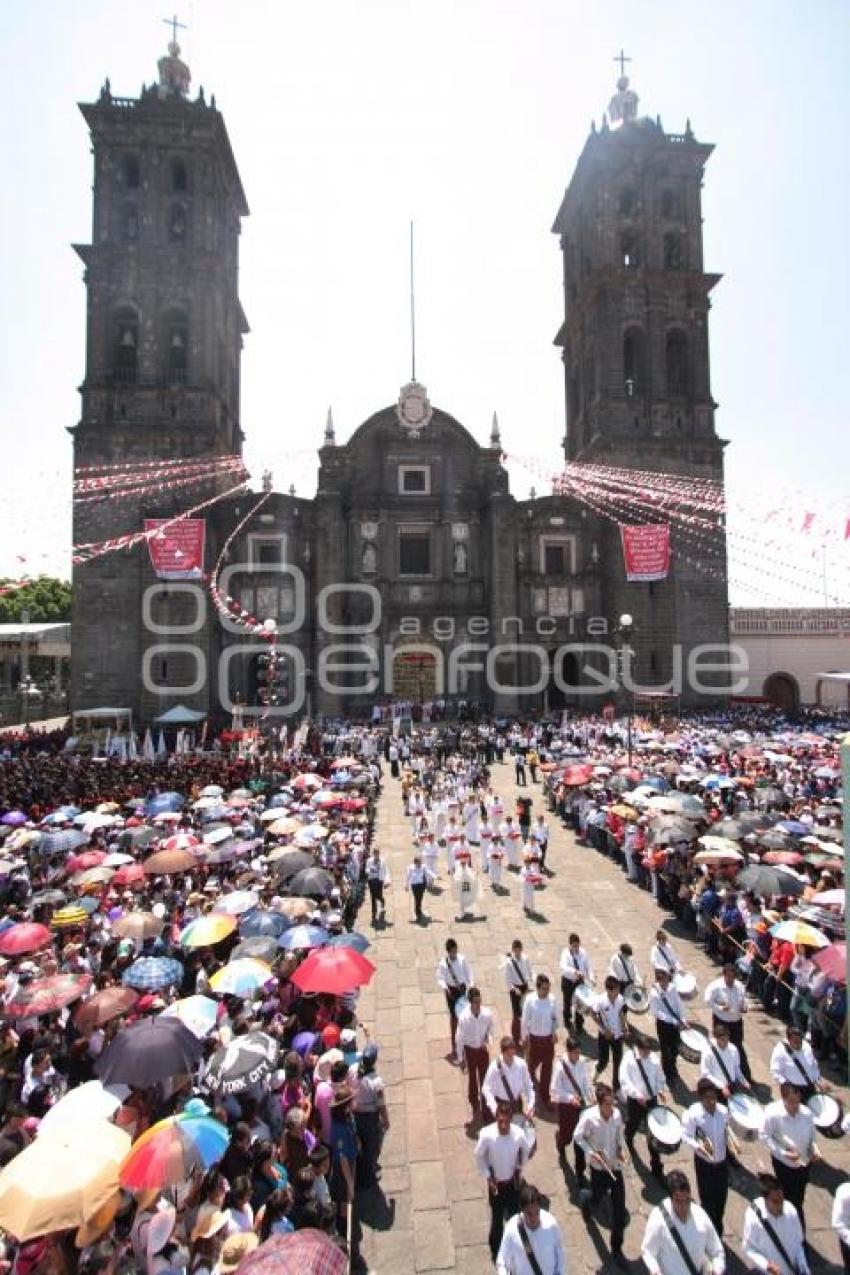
<point x="601" y="1156"/>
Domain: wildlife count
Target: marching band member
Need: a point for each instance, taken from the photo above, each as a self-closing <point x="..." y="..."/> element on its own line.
<point x="539" y="1031"/>
<point x="454" y="976"/>
<point x="474" y="1029"/>
<point x="704" y="1130"/>
<point x="600" y="1136"/>
<point x="773" y="1237"/>
<point x="793" y="1060"/>
<point x="789" y="1131"/>
<point x="642" y="1082"/>
<point x="679" y="1226"/>
<point x="509" y="1080"/>
<point x="532" y="1243"/>
<point x="666" y="1008"/>
<point x="726" y="997"/>
<point x="575" y="969"/>
<point x="501" y="1154"/>
<point x="662" y="955"/>
<point x="721" y="1063"/>
<point x="573" y="1092"/>
<point x="519" y="977"/>
<point x="608" y="1009"/>
<point x="624" y="967"/>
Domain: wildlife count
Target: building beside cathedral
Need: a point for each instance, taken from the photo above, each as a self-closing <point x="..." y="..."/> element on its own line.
<point x="413" y="554"/>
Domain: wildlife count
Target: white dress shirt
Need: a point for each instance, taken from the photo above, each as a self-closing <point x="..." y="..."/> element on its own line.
<point x="500" y="1155"/>
<point x="664" y="958"/>
<point x="660" y="1252"/>
<point x="841" y="1213"/>
<point x="760" y="1248"/>
<point x="377" y="870"/>
<point x="711" y="1125"/>
<point x="518" y="971"/>
<point x="418" y="874"/>
<point x="610" y="1012"/>
<point x="455" y="973"/>
<point x="781" y="1129"/>
<point x="539" y="1016"/>
<point x="672" y="1011"/>
<point x="624" y="968"/>
<point x="710" y="1066"/>
<point x="785" y="1065"/>
<point x="594" y="1133"/>
<point x="576" y="965"/>
<point x="726" y="1003"/>
<point x="546" y="1244"/>
<point x="500" y="1077"/>
<point x="563" y="1089"/>
<point x="633" y="1083"/>
<point x="473" y="1030"/>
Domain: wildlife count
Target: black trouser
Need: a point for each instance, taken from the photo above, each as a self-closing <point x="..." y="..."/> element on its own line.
<point x="845" y="1253"/>
<point x="635" y="1112"/>
<point x="668" y="1040"/>
<point x="793" y="1183"/>
<point x="610" y="1049"/>
<point x="713" y="1186"/>
<point x="602" y="1183"/>
<point x="504" y="1203"/>
<point x="736" y="1035"/>
<point x="376" y="894"/>
<point x="371" y="1136"/>
<point x="516" y="1014"/>
<point x="568" y="988"/>
<point x="418" y="892"/>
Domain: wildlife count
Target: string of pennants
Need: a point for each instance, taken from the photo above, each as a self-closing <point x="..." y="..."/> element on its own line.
<point x="227" y="606"/>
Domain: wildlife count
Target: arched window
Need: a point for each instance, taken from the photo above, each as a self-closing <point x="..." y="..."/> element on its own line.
<point x="676" y="363"/>
<point x="628" y="202"/>
<point x="629" y="250"/>
<point x="176" y="349"/>
<point x="132" y="175"/>
<point x="177" y="224"/>
<point x="673" y="252"/>
<point x="179" y="177"/>
<point x="125" y="356"/>
<point x="634" y="369"/>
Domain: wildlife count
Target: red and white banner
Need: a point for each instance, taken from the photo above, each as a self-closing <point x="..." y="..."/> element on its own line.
<point x="177" y="551"/>
<point x="646" y="550"/>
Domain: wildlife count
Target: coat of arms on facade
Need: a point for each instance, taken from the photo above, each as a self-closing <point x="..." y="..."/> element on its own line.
<point x="413" y="409"/>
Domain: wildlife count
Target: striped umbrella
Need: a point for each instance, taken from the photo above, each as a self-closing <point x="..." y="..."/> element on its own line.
<point x="174" y="1148"/>
<point x="205" y="931"/>
<point x="150" y="973"/>
<point x="181" y="841"/>
<point x="240" y="978"/>
<point x="70" y="917"/>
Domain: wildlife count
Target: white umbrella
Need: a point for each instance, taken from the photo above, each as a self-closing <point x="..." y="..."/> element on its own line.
<point x="91" y="1101"/>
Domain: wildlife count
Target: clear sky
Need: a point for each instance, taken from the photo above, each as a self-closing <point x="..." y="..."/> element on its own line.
<point x="349" y="118"/>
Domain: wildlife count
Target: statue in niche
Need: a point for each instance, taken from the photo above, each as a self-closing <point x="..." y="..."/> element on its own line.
<point x="460" y="558"/>
<point x="369" y="560"/>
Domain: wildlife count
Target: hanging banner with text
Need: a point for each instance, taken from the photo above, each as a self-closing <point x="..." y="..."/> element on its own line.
<point x="646" y="551"/>
<point x="177" y="553"/>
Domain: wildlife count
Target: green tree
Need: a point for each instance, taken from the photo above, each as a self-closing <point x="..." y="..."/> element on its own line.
<point x="46" y="599"/>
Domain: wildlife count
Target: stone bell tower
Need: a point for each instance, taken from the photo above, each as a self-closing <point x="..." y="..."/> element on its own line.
<point x="635" y="349"/>
<point x="164" y="331"/>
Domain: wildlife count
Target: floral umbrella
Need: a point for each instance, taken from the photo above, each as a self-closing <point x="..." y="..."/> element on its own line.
<point x="47" y="995"/>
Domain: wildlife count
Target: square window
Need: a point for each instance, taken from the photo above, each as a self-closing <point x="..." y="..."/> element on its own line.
<point x="414" y="480"/>
<point x="414" y="553"/>
<point x="267" y="551"/>
<point x="555" y="560"/>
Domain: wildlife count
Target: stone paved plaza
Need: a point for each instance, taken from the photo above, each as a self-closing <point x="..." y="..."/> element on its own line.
<point x="432" y="1212"/>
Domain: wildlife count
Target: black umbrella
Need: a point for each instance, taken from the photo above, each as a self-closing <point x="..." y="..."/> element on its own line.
<point x="755" y="820"/>
<point x="312" y="883"/>
<point x="770" y="796"/>
<point x="241" y="1064"/>
<point x="148" y="1051"/>
<point x="292" y="863"/>
<point x="262" y="949"/>
<point x="776" y="839"/>
<point x="734" y="829"/>
<point x="137" y="838"/>
<point x="54" y="897"/>
<point x="765" y="880"/>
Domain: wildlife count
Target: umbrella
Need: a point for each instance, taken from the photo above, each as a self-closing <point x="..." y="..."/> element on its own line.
<point x="832" y="961"/>
<point x="669" y="834"/>
<point x="93" y="876"/>
<point x="139" y="838"/>
<point x="55" y="898"/>
<point x="108" y="1003"/>
<point x="14" y="819"/>
<point x="307" y="1251"/>
<point x="295" y="909"/>
<point x="61" y="1179"/>
<point x="236" y="903"/>
<point x="207" y="930"/>
<point x="241" y="794"/>
<point x="302" y="937"/>
<point x="830" y="898"/>
<point x="226" y="852"/>
<point x="775" y="840"/>
<point x="88" y="859"/>
<point x="799" y="933"/>
<point x="262" y="949"/>
<point x="793" y="827"/>
<point x="732" y="829"/>
<point x="181" y="841"/>
<point x="117" y="860"/>
<point x="47" y="995"/>
<point x="719" y="856"/>
<point x="257" y="924"/>
<point x="720" y="845"/>
<point x="312" y="883"/>
<point x="165" y="803"/>
<point x="756" y="820"/>
<point x="240" y="978"/>
<point x="150" y="1050"/>
<point x="764" y="880"/>
<point x="151" y="973"/>
<point x="239" y="1065"/>
<point x="335" y="970"/>
<point x="61" y="815"/>
<point x="678" y="804"/>
<point x="90" y="1101"/>
<point x="576" y="776"/>
<point x="655" y="781"/>
<point x="302" y="782"/>
<point x="828" y="834"/>
<point x="132" y="874"/>
<point x="69" y="917"/>
<point x="173" y="1149"/>
<point x="291" y="862"/>
<point x="325" y="799"/>
<point x="769" y="796"/>
<point x="212" y="790"/>
<point x="351" y="938"/>
<point x="138" y="926"/>
<point x="22" y="938"/>
<point x="64" y="842"/>
<point x="163" y="863"/>
<point x="783" y="858"/>
<point x="273" y="815"/>
<point x="198" y="1013"/>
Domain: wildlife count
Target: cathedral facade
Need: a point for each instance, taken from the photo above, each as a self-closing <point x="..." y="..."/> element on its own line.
<point x="413" y="572"/>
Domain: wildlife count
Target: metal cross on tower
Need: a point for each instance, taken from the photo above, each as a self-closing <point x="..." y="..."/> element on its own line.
<point x="174" y="24"/>
<point x="622" y="59"/>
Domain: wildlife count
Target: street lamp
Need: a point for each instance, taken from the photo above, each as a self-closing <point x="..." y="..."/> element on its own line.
<point x="625" y="628"/>
<point x="28" y="688"/>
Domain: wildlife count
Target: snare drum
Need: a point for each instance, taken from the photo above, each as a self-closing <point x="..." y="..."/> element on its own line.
<point x="461" y="1004"/>
<point x="666" y="1128"/>
<point x="686" y="985"/>
<point x="636" y="998"/>
<point x="828" y="1114"/>
<point x="583" y="998"/>
<point x="692" y="1044"/>
<point x="528" y="1131"/>
<point x="747" y="1115"/>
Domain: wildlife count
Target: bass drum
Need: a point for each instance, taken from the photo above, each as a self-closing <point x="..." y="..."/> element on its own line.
<point x="528" y="1131"/>
<point x="692" y="1044"/>
<point x="636" y="998"/>
<point x="666" y="1128"/>
<point x="747" y="1116"/>
<point x="686" y="985"/>
<point x="583" y="998"/>
<point x="828" y="1114"/>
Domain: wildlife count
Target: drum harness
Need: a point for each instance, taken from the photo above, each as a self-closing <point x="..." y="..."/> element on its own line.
<point x="717" y="1054"/>
<point x="516" y="1103"/>
<point x="576" y="1086"/>
<point x="679" y="1242"/>
<point x="798" y="1063"/>
<point x="523" y="986"/>
<point x="774" y="1238"/>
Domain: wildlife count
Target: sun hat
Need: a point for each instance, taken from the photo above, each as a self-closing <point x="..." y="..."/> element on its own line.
<point x="236" y="1247"/>
<point x="209" y="1222"/>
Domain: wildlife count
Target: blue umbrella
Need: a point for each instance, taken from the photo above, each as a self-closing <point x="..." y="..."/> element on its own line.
<point x="351" y="939"/>
<point x="164" y="802"/>
<point x="88" y="903"/>
<point x="794" y="827"/>
<point x="656" y="782"/>
<point x="63" y="814"/>
<point x="279" y="799"/>
<point x="302" y="937"/>
<point x="150" y="973"/>
<point x="256" y="925"/>
<point x="66" y="841"/>
<point x="215" y="813"/>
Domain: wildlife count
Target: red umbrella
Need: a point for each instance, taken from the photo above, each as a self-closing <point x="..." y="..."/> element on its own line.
<point x="783" y="858"/>
<point x="130" y="874"/>
<point x="352" y="804"/>
<point x="48" y="995"/>
<point x="88" y="859"/>
<point x="181" y="841"/>
<point x="575" y="776"/>
<point x="308" y="781"/>
<point x="26" y="937"/>
<point x="334" y="970"/>
<point x="832" y="961"/>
